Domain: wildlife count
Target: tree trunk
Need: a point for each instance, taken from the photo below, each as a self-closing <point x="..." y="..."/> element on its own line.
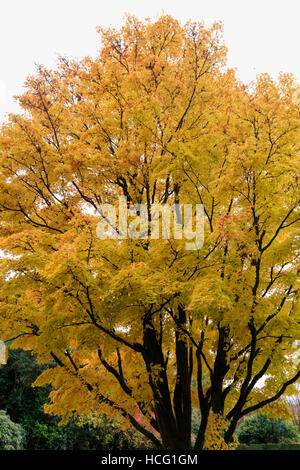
<point x="172" y="435"/>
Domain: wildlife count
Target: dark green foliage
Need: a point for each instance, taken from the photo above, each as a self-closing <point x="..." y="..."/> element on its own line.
<point x="110" y="434"/>
<point x="24" y="404"/>
<point x="259" y="429"/>
<point x="270" y="446"/>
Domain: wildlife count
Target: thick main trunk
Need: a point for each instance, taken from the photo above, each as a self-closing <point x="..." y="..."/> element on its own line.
<point x="173" y="436"/>
<point x="182" y="392"/>
<point x="220" y="369"/>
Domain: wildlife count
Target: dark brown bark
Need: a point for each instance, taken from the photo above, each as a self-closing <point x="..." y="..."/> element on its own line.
<point x="220" y="369"/>
<point x="182" y="392"/>
<point x="172" y="435"/>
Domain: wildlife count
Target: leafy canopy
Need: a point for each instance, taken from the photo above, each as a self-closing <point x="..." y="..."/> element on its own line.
<point x="135" y="325"/>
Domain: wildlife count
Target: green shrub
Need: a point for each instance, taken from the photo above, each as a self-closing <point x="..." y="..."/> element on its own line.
<point x="12" y="435"/>
<point x="270" y="446"/>
<point x="259" y="429"/>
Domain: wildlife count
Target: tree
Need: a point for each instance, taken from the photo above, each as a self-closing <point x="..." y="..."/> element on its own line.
<point x="259" y="429"/>
<point x="135" y="324"/>
<point x="16" y="378"/>
<point x="12" y="435"/>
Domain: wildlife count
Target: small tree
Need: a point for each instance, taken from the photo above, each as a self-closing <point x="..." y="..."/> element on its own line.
<point x="12" y="435"/>
<point x="260" y="429"/>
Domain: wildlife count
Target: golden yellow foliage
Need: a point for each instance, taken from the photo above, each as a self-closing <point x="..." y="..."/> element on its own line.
<point x="135" y="325"/>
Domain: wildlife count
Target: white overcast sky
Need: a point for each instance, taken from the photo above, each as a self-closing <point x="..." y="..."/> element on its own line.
<point x="261" y="35"/>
